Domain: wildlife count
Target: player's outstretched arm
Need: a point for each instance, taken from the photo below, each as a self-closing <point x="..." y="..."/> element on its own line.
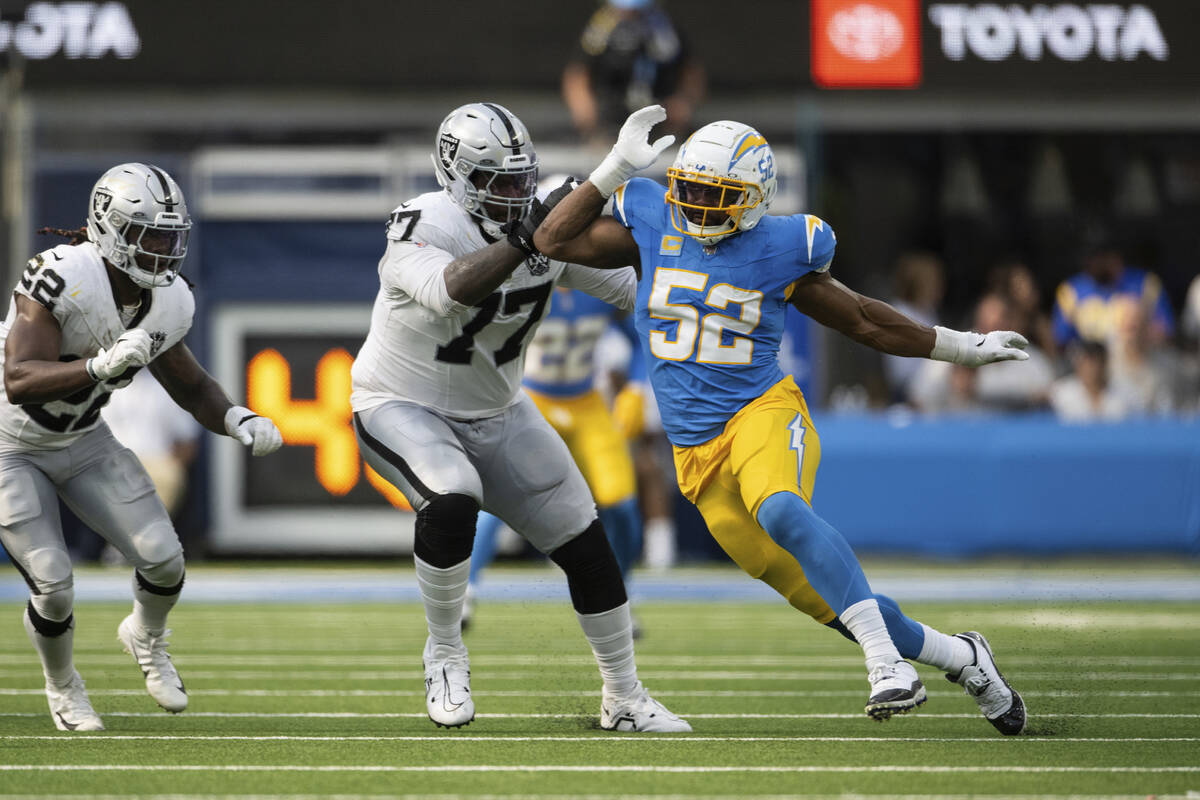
<point x="32" y="371"/>
<point x="197" y="392"/>
<point x="876" y="324"/>
<point x="574" y="231"/>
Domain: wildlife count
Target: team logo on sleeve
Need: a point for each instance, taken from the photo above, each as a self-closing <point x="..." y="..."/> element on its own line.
<point x="537" y="264"/>
<point x="157" y="339"/>
<point x="671" y="246"/>
<point x="447" y="149"/>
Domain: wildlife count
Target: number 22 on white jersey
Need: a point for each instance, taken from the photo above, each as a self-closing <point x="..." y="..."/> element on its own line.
<point x="710" y="327"/>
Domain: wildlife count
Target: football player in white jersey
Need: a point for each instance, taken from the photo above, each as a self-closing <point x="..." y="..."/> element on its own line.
<point x="83" y="319"/>
<point x="439" y="411"/>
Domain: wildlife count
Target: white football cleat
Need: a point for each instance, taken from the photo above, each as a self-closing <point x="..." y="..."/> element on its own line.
<point x="70" y="708"/>
<point x="895" y="689"/>
<point x="448" y="686"/>
<point x="998" y="701"/>
<point x="150" y="653"/>
<point x="638" y="712"/>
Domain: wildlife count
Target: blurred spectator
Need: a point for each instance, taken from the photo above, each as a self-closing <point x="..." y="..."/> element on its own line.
<point x="1014" y="281"/>
<point x="1003" y="386"/>
<point x="1191" y="311"/>
<point x="1091" y="304"/>
<point x="1084" y="395"/>
<point x="942" y="388"/>
<point x="1189" y="364"/>
<point x="630" y="55"/>
<point x="1142" y="375"/>
<point x="919" y="283"/>
<point x="162" y="435"/>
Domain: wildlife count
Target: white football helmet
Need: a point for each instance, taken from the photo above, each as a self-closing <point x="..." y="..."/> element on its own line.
<point x="484" y="158"/>
<point x="139" y="220"/>
<point x="722" y="181"/>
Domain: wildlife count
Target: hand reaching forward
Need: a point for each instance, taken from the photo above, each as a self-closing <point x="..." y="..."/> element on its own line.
<point x="633" y="151"/>
<point x="975" y="349"/>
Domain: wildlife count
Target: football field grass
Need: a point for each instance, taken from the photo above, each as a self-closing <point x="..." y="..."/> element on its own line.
<point x="324" y="700"/>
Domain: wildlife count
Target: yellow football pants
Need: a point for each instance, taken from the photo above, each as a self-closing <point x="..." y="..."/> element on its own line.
<point x="596" y="444"/>
<point x="769" y="446"/>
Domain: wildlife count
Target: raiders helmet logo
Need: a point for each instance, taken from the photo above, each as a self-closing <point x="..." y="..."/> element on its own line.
<point x="101" y="200"/>
<point x="447" y="149"/>
<point x="537" y="264"/>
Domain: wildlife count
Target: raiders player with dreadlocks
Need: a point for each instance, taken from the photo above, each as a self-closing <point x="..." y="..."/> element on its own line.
<point x="83" y="319"/>
<point x="439" y="410"/>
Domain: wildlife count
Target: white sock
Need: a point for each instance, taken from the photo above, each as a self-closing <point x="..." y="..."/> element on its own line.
<point x="150" y="610"/>
<point x="659" y="538"/>
<point x="55" y="651"/>
<point x="948" y="653"/>
<point x="610" y="633"/>
<point x="442" y="591"/>
<point x="866" y="623"/>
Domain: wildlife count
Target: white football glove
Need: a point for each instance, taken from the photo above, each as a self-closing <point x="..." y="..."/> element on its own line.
<point x="633" y="151"/>
<point x="973" y="349"/>
<point x="131" y="349"/>
<point x="255" y="431"/>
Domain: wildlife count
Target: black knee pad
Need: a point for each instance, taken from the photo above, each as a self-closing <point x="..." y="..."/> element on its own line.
<point x="145" y="585"/>
<point x="48" y="627"/>
<point x="446" y="530"/>
<point x="593" y="575"/>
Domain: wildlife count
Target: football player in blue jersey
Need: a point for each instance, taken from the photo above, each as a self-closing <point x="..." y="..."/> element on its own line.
<point x="1093" y="304"/>
<point x="716" y="276"/>
<point x="559" y="378"/>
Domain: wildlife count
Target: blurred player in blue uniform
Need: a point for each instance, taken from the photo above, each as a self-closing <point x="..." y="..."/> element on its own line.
<point x="716" y="275"/>
<point x="559" y="377"/>
<point x="1093" y="304"/>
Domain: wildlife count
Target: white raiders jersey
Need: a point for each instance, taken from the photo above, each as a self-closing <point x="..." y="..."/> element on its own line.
<point x="72" y="283"/>
<point x="467" y="364"/>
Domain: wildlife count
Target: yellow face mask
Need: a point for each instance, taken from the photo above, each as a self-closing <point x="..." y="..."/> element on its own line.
<point x="704" y="205"/>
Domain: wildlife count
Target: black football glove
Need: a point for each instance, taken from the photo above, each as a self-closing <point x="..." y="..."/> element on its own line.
<point x="520" y="232"/>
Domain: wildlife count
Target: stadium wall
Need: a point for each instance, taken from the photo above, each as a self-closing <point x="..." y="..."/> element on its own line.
<point x="965" y="487"/>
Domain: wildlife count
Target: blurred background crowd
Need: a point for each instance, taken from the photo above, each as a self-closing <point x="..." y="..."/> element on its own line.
<point x="1030" y="167"/>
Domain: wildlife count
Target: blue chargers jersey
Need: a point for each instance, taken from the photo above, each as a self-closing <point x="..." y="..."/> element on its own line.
<point x="710" y="320"/>
<point x="559" y="360"/>
<point x="1089" y="310"/>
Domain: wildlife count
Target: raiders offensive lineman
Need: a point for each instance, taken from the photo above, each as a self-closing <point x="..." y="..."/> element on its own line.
<point x="84" y="318"/>
<point x="439" y="411"/>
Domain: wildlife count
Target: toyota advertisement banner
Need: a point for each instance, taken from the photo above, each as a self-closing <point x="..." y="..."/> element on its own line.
<point x="1034" y="47"/>
<point x="783" y="45"/>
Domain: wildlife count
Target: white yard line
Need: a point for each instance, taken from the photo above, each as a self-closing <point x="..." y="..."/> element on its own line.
<point x="505" y="674"/>
<point x="25" y="655"/>
<point x="577" y="693"/>
<point x="526" y="796"/>
<point x="611" y="768"/>
<point x="402" y="715"/>
<point x="604" y="738"/>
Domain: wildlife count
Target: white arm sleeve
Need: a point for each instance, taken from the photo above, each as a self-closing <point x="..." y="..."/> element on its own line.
<point x="416" y="270"/>
<point x="617" y="287"/>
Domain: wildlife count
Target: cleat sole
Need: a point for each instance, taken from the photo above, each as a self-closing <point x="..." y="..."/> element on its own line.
<point x="451" y="727"/>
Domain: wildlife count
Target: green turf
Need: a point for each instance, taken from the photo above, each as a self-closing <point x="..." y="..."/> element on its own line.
<point x="1112" y="690"/>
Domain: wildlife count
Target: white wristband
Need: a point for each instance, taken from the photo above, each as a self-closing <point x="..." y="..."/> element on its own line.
<point x="949" y="345"/>
<point x="612" y="172"/>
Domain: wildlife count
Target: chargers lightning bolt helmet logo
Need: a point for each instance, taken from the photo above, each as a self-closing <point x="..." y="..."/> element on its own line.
<point x="722" y="181"/>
